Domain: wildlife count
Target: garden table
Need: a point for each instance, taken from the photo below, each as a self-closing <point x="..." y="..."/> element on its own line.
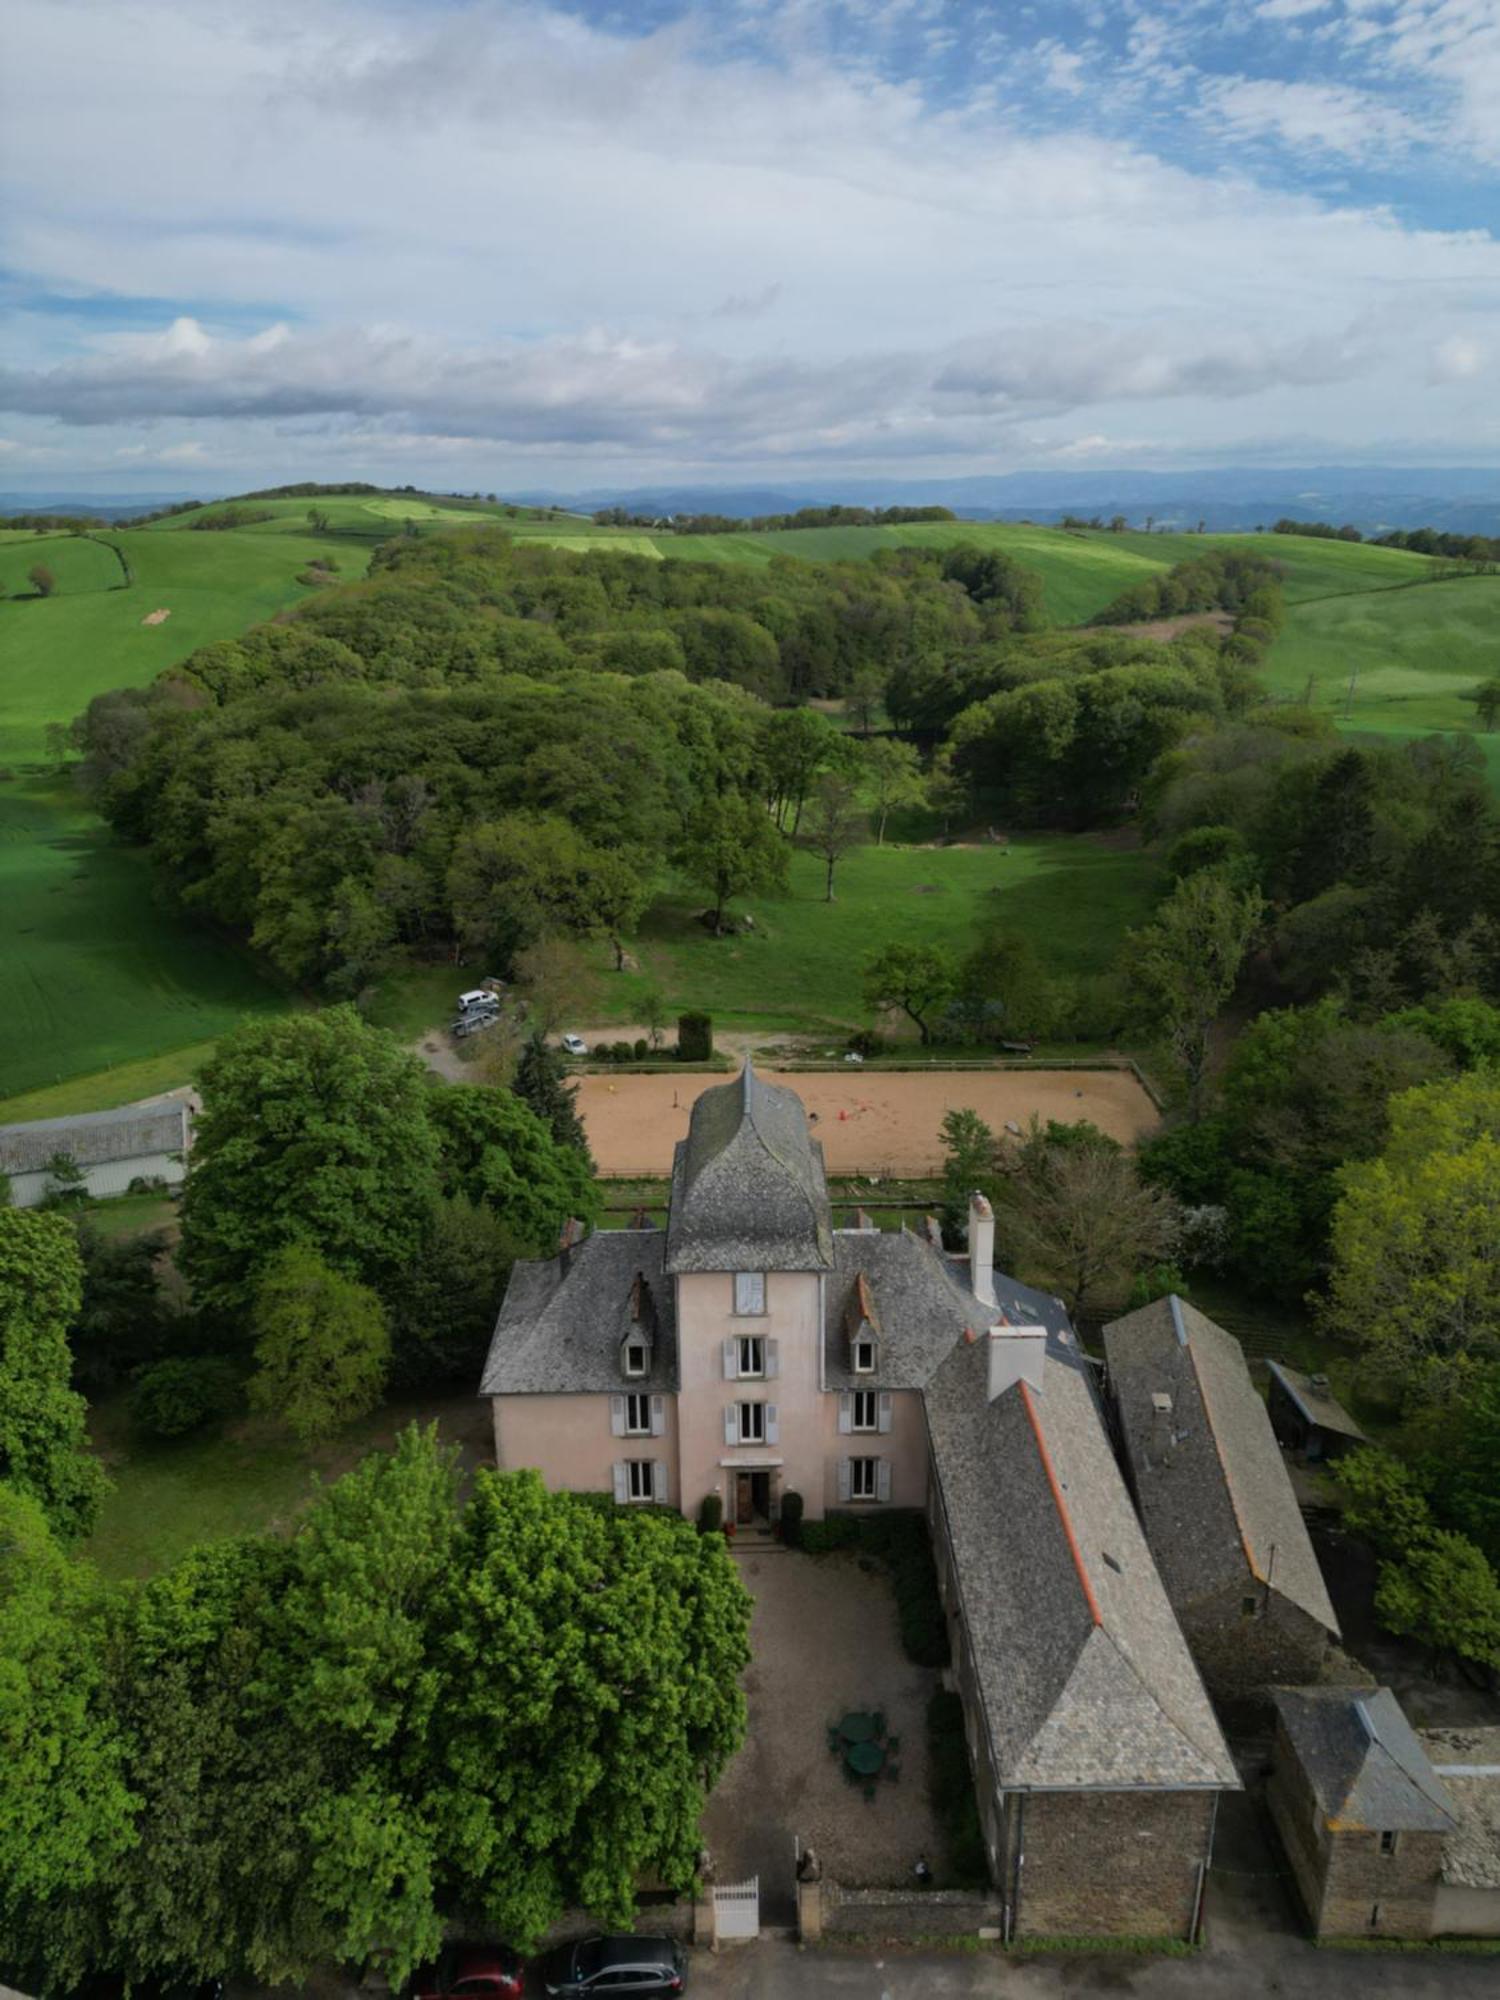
<point x="865" y="1758"/>
<point x="857" y="1727"/>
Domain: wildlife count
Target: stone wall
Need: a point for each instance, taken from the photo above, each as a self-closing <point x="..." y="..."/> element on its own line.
<point x="1121" y="1864"/>
<point x="1239" y="1656"/>
<point x="900" y="1914"/>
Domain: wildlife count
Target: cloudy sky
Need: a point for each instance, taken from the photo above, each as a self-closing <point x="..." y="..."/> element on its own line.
<point x="497" y="244"/>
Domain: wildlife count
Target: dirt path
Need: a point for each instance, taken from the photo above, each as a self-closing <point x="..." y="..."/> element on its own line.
<point x="869" y="1121"/>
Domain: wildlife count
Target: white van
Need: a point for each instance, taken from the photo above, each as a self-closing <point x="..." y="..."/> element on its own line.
<point x="477" y="1000"/>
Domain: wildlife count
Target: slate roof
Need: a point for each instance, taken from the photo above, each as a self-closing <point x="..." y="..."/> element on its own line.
<point x="134" y="1132"/>
<point x="562" y="1324"/>
<point x="1085" y="1677"/>
<point x="1314" y="1403"/>
<point x="922" y="1305"/>
<point x="749" y="1192"/>
<point x="1213" y="1491"/>
<point x="1367" y="1770"/>
<point x="1467" y="1761"/>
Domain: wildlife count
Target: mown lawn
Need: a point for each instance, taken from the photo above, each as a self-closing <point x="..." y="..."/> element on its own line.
<point x="254" y="1479"/>
<point x="93" y="971"/>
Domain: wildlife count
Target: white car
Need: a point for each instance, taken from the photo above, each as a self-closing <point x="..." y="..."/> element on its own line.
<point x="575" y="1045"/>
<point x="478" y="1000"/>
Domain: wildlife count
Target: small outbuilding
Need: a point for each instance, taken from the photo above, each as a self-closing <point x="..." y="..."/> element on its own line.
<point x="147" y="1142"/>
<point x="1307" y="1417"/>
<point x="1363" y="1816"/>
<point x="1468" y="1763"/>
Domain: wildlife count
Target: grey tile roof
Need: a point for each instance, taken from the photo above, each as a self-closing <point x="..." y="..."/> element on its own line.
<point x="1314" y="1402"/>
<point x="133" y="1132"/>
<point x="1215" y="1496"/>
<point x="1367" y="1769"/>
<point x="922" y="1303"/>
<point x="1085" y="1676"/>
<point x="560" y="1331"/>
<point x="1467" y="1762"/>
<point x="749" y="1191"/>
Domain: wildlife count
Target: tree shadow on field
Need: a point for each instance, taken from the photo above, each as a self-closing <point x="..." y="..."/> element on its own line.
<point x="1077" y="910"/>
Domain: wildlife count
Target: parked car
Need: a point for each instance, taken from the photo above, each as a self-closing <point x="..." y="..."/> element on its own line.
<point x="611" y="1965"/>
<point x="479" y="999"/>
<point x="575" y="1045"/>
<point x="473" y="1023"/>
<point x="470" y="1972"/>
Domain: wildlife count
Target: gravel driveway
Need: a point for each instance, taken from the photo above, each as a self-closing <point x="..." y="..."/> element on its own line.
<point x="824" y="1641"/>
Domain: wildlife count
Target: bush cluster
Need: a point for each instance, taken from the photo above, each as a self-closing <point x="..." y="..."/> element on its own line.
<point x="175" y="1398"/>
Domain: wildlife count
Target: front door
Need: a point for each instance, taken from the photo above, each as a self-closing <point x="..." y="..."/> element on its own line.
<point x="760" y="1496"/>
<point x="744" y="1504"/>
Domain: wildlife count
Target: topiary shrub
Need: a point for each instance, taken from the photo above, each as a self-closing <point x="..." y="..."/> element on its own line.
<point x="603" y="1052"/>
<point x="695" y="1037"/>
<point x="710" y="1514"/>
<point x="642" y="1048"/>
<point x="622" y="1052"/>
<point x="791" y="1519"/>
<point x="172" y="1399"/>
<point x="834" y="1531"/>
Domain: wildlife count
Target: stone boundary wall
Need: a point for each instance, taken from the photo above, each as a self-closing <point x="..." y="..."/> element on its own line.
<point x="908" y="1914"/>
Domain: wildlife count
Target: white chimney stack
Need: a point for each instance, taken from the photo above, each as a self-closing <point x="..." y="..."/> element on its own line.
<point x="1017" y="1354"/>
<point x="981" y="1249"/>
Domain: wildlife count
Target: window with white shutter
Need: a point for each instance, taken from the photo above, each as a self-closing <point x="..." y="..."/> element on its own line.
<point x="750" y="1292"/>
<point x="658" y="1415"/>
<point x="773" y="1359"/>
<point x="846" y="1478"/>
<point x="882" y="1479"/>
<point x="659" y="1481"/>
<point x="642" y="1481"/>
<point x="622" y="1481"/>
<point x="883" y="1420"/>
<point x="617" y="1416"/>
<point x="864" y="1476"/>
<point x="731" y="1359"/>
<point x="752" y="1423"/>
<point x="846" y="1414"/>
<point x="752" y="1355"/>
<point x="866" y="1410"/>
<point x="637" y="1416"/>
<point x="731" y="1423"/>
<point x="773" y="1424"/>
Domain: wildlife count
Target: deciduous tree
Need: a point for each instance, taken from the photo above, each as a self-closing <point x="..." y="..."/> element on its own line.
<point x="835" y="822"/>
<point x="1079" y="1220"/>
<point x="917" y="978"/>
<point x="733" y="849"/>
<point x="43" y="1443"/>
<point x="322" y="1344"/>
<point x="1183" y="967"/>
<point x="893" y="778"/>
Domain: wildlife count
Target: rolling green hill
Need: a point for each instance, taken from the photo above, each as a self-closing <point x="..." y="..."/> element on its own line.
<point x="79" y="563"/>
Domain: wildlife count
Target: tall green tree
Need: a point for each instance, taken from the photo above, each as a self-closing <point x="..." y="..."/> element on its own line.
<point x="1078" y="1219"/>
<point x="835" y="822"/>
<point x="1182" y="967"/>
<point x="497" y="1151"/>
<point x="918" y="978"/>
<point x="1416" y="1255"/>
<point x="443" y="1308"/>
<point x="519" y="879"/>
<point x="315" y="1129"/>
<point x="43" y="1441"/>
<point x="893" y="778"/>
<point x="611" y="1642"/>
<point x="733" y="849"/>
<point x="65" y="1802"/>
<point x="322" y="1344"/>
<point x="971" y="1165"/>
<point x="542" y="1083"/>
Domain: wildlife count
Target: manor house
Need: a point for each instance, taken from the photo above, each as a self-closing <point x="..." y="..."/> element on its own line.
<point x="751" y="1349"/>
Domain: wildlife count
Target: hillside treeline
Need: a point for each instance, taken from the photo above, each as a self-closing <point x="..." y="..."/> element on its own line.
<point x="1481" y="550"/>
<point x="804" y="517"/>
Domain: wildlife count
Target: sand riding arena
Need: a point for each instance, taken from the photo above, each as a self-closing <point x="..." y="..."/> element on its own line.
<point x="869" y="1121"/>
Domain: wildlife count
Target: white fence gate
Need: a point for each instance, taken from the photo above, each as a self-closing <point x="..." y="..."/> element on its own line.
<point x="737" y="1909"/>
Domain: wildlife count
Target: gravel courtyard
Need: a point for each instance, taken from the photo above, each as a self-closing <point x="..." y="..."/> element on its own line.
<point x="824" y="1641"/>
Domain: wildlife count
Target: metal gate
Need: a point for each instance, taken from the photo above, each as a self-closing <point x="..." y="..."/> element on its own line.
<point x="737" y="1909"/>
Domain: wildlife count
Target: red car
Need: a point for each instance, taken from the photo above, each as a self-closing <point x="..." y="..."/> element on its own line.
<point x="470" y="1972"/>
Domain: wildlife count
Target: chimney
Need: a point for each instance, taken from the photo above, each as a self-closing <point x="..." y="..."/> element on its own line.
<point x="1017" y="1354"/>
<point x="1160" y="1444"/>
<point x="567" y="1242"/>
<point x="982" y="1250"/>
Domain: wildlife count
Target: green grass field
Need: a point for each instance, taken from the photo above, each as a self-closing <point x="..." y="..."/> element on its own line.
<point x="93" y="973"/>
<point x="802" y="966"/>
<point x="79" y="564"/>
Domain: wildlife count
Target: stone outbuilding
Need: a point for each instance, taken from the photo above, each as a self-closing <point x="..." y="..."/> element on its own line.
<point x="1307" y="1417"/>
<point x="1216" y="1500"/>
<point x="145" y="1142"/>
<point x="1362" y="1814"/>
<point x="1467" y="1761"/>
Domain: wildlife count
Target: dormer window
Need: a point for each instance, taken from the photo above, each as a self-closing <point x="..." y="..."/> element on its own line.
<point x="864" y="1357"/>
<point x="750" y="1292"/>
<point x="635" y="1357"/>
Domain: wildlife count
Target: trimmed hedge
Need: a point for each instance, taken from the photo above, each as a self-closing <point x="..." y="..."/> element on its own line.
<point x="951" y="1785"/>
<point x="695" y="1037"/>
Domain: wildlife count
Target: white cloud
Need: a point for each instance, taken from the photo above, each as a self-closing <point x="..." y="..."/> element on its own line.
<point x="492" y="225"/>
<point x="1457" y="359"/>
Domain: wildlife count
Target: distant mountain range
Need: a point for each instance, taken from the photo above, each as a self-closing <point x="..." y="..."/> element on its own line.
<point x="1462" y="499"/>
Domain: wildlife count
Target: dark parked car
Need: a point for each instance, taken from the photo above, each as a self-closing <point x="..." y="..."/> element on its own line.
<point x="614" y="1965"/>
<point x="470" y="1972"/>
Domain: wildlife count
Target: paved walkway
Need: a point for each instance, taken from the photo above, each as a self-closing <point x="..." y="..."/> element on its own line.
<point x="823" y="1641"/>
